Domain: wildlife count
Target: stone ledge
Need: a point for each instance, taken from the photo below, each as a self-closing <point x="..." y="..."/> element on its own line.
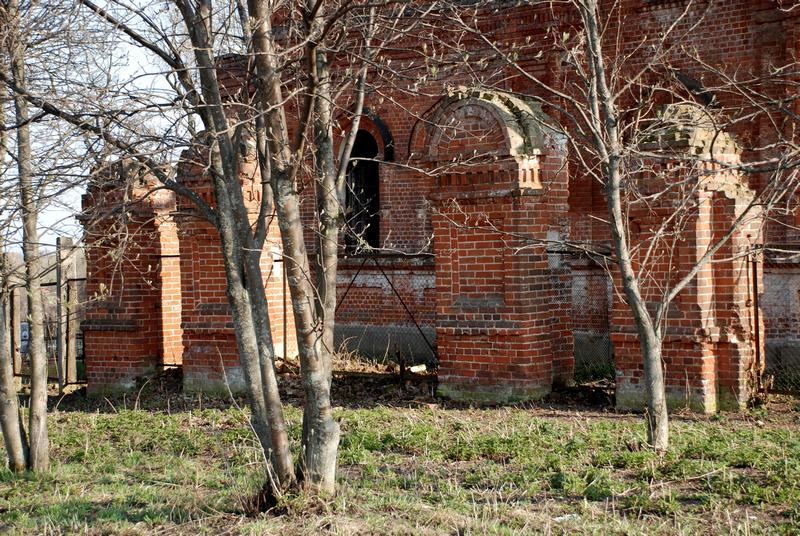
<point x="124" y="383"/>
<point x="489" y="193"/>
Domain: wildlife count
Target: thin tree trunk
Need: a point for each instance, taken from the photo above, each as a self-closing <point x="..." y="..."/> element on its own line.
<point x="10" y="417"/>
<point x="320" y="430"/>
<point x="318" y="461"/>
<point x="649" y="342"/>
<point x="657" y="415"/>
<point x="39" y="455"/>
<point x="606" y="122"/>
<point x="279" y="434"/>
<point x="245" y="285"/>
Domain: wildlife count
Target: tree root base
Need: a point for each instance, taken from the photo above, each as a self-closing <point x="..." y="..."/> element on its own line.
<point x="263" y="501"/>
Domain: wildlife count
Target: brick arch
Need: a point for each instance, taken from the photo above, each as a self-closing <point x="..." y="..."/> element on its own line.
<point x="377" y="128"/>
<point x="516" y="127"/>
<point x="486" y="138"/>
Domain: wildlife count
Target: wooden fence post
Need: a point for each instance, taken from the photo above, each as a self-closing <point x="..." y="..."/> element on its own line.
<point x="7" y="307"/>
<point x="73" y="325"/>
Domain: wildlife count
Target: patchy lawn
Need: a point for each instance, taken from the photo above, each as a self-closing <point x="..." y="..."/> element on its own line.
<point x="411" y="465"/>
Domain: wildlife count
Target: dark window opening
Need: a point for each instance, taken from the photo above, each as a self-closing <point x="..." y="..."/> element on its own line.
<point x="363" y="197"/>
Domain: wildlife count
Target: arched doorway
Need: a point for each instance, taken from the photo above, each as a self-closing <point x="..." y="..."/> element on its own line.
<point x="362" y="229"/>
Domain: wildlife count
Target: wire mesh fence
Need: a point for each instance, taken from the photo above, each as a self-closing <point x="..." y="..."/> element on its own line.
<point x="387" y="312"/>
<point x="780" y="306"/>
<point x="386" y="308"/>
<point x="591" y="305"/>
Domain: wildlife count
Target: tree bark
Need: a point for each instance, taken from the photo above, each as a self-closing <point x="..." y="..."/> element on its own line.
<point x="657" y="415"/>
<point x="320" y="430"/>
<point x="39" y="454"/>
<point x="313" y="315"/>
<point x="609" y="143"/>
<point x="10" y="417"/>
<point x="242" y="267"/>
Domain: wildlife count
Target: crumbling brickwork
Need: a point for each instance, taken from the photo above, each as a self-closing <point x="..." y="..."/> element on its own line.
<point x="211" y="357"/>
<point x="709" y="341"/>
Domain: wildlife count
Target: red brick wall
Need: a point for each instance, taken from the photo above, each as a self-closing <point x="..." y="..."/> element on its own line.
<point x="211" y="357"/>
<point x="708" y="344"/>
<point x="132" y="323"/>
<point x="501" y="299"/>
<point x="504" y="317"/>
<point x="372" y="319"/>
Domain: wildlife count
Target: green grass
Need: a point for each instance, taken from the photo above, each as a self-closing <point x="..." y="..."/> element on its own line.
<point x="426" y="470"/>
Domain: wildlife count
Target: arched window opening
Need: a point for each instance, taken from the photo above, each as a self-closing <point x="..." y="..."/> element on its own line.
<point x="363" y="195"/>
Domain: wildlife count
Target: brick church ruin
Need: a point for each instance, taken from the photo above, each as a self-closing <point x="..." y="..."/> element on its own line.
<point x="506" y="321"/>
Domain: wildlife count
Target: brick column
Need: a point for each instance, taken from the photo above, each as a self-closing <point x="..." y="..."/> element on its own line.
<point x="211" y="358"/>
<point x="502" y="290"/>
<point x="709" y="338"/>
<point x="132" y="324"/>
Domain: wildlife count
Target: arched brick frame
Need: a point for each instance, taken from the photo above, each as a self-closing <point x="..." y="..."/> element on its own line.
<point x="524" y="125"/>
<point x="501" y="309"/>
<point x="709" y="343"/>
<point x="378" y="129"/>
<point x="521" y="134"/>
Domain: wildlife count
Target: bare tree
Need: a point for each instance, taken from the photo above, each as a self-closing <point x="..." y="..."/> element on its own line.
<point x="289" y="119"/>
<point x="624" y="109"/>
<point x="14" y="434"/>
<point x="39" y="446"/>
<point x="39" y="52"/>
